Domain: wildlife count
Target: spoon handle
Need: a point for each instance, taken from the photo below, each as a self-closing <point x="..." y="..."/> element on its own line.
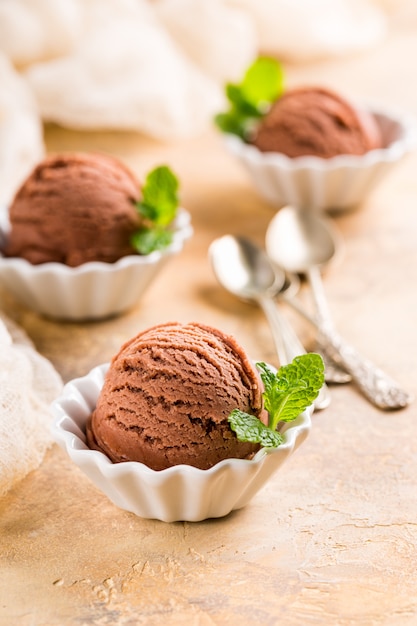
<point x="374" y="383"/>
<point x="335" y="373"/>
<point x="288" y="344"/>
<point x="291" y="345"/>
<point x="276" y="329"/>
<point x="323" y="314"/>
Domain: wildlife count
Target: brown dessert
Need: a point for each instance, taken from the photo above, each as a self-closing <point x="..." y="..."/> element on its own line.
<point x="74" y="208"/>
<point x="316" y="121"/>
<point x="167" y="397"/>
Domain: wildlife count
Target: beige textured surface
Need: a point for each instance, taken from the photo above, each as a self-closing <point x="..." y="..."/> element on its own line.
<point x="333" y="538"/>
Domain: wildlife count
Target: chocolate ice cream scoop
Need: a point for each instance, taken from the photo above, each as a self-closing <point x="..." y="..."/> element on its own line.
<point x="167" y="397"/>
<point x="316" y="121"/>
<point x="74" y="208"/>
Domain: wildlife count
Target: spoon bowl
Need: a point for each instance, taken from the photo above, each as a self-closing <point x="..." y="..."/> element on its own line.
<point x="298" y="240"/>
<point x="243" y="270"/>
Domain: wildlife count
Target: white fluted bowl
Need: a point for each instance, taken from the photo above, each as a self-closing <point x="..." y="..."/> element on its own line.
<point x="339" y="183"/>
<point x="93" y="290"/>
<point x="179" y="493"/>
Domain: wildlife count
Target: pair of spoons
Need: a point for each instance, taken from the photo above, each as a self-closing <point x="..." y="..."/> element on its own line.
<point x="299" y="242"/>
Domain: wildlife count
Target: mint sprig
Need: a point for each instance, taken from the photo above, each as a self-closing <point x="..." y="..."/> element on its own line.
<point x="158" y="208"/>
<point x="287" y="393"/>
<point x="250" y="99"/>
<point x="250" y="429"/>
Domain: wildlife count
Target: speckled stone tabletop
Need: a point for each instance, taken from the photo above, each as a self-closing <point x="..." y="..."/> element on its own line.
<point x="332" y="538"/>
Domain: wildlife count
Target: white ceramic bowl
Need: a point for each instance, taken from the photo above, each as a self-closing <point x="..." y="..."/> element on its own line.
<point x="90" y="291"/>
<point x="179" y="493"/>
<point x="339" y="183"/>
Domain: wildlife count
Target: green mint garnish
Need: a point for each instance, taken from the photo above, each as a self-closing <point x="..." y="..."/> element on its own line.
<point x="160" y="196"/>
<point x="262" y="82"/>
<point x="250" y="428"/>
<point x="146" y="240"/>
<point x="287" y="393"/>
<point x="158" y="208"/>
<point x="249" y="100"/>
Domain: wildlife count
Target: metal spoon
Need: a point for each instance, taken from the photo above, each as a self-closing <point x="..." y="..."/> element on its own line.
<point x="245" y="270"/>
<point x="301" y="242"/>
<point x="327" y="249"/>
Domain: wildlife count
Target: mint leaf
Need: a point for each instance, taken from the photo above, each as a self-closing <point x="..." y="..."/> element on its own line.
<point x="293" y="388"/>
<point x="159" y="196"/>
<point x="250" y="99"/>
<point x="250" y="428"/>
<point x="240" y="102"/>
<point x="158" y="208"/>
<point x="263" y="81"/>
<point x="146" y="240"/>
<point x="287" y="393"/>
<point x="232" y="123"/>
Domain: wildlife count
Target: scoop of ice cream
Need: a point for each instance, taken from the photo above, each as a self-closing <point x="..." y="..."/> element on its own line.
<point x="167" y="396"/>
<point x="74" y="208"/>
<point x="316" y="121"/>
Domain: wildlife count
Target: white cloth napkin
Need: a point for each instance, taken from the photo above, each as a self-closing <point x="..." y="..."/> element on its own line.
<point x="21" y="134"/>
<point x="28" y="384"/>
<point x="125" y="73"/>
<point x="220" y="39"/>
<point x="306" y="30"/>
<point x="156" y="68"/>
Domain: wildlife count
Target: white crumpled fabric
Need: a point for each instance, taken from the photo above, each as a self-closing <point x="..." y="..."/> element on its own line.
<point x="125" y="73"/>
<point x="28" y="384"/>
<point x="159" y="66"/>
<point x="21" y="134"/>
<point x="36" y="30"/>
<point x="218" y="38"/>
<point x="306" y="30"/>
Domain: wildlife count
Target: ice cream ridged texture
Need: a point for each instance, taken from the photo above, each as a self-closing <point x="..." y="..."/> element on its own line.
<point x="318" y="122"/>
<point x="167" y="396"/>
<point x="75" y="208"/>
